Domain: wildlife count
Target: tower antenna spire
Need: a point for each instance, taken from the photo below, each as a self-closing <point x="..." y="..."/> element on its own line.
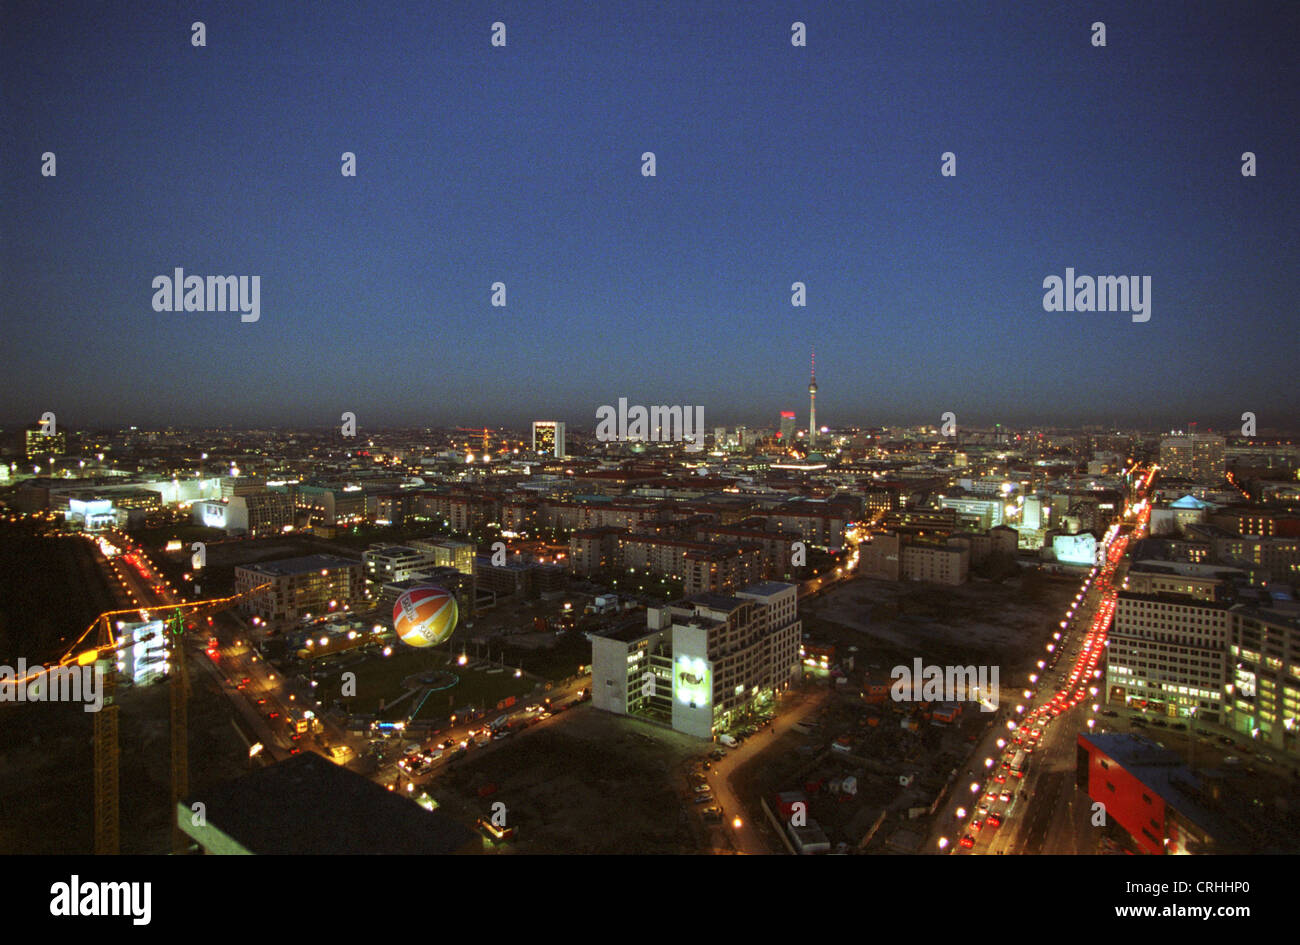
<point x="812" y="402"/>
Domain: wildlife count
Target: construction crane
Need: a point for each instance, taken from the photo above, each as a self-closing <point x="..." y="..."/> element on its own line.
<point x="484" y="430"/>
<point x="103" y="655"/>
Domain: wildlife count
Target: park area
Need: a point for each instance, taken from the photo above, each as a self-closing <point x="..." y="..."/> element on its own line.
<point x="412" y="684"/>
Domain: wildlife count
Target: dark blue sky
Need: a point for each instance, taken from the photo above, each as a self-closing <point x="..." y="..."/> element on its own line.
<point x="522" y="165"/>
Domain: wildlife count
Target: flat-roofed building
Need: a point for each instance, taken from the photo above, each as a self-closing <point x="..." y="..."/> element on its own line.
<point x="312" y="585"/>
<point x="548" y="438"/>
<point x="983" y="513"/>
<point x="306" y="805"/>
<point x="1263" y="699"/>
<point x="332" y="504"/>
<point x="594" y="549"/>
<point x="388" y="563"/>
<point x="1166" y="654"/>
<point x="448" y="552"/>
<point x="698" y="664"/>
<point x="1148" y="791"/>
<point x="256" y="514"/>
<point x="723" y="568"/>
<point x="897" y="557"/>
<point x="1197" y="456"/>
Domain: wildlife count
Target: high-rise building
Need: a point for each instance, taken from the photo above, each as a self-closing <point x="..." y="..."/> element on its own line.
<point x="38" y="446"/>
<point x="812" y="404"/>
<point x="700" y="663"/>
<point x="1262" y="698"/>
<point x="1166" y="651"/>
<point x="548" y="437"/>
<point x="1196" y="456"/>
<point x="787" y="427"/>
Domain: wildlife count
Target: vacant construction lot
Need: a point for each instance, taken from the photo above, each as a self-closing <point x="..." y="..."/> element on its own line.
<point x="581" y="782"/>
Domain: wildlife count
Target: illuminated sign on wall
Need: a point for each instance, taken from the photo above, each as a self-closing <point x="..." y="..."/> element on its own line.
<point x="1075" y="549"/>
<point x="214" y="514"/>
<point x="93" y="513"/>
<point x="146" y="656"/>
<point x="692" y="681"/>
<point x="1245" y="683"/>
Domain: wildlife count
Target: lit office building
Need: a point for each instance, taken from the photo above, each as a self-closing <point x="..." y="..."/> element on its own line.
<point x="38" y="447"/>
<point x="983" y="514"/>
<point x="332" y="504"/>
<point x="1166" y="654"/>
<point x="447" y="553"/>
<point x="1262" y="698"/>
<point x="787" y="427"/>
<point x="548" y="438"/>
<point x="698" y="664"/>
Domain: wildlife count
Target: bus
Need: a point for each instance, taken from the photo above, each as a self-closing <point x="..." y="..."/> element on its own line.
<point x="1019" y="763"/>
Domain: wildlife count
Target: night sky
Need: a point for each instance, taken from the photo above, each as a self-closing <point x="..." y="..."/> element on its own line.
<point x="774" y="164"/>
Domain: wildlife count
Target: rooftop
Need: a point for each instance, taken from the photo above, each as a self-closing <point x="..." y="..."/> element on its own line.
<point x="300" y="565"/>
<point x="766" y="588"/>
<point x="307" y="805"/>
<point x="628" y="630"/>
<point x="1163" y="772"/>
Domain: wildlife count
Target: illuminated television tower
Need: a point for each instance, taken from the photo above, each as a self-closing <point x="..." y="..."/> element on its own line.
<point x="812" y="403"/>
